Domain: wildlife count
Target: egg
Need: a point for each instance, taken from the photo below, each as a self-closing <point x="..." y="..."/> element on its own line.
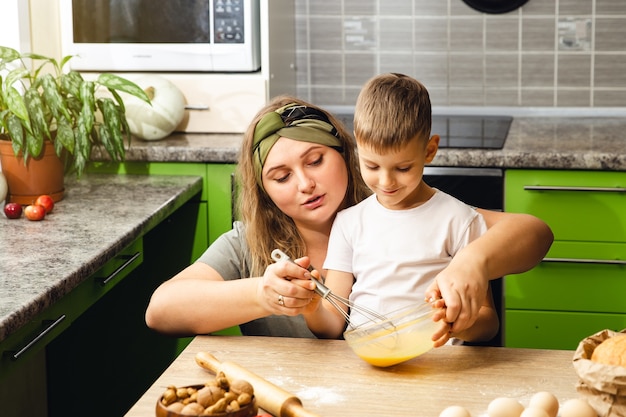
<point x="455" y="411"/>
<point x="577" y="408"/>
<point x="505" y="407"/>
<point x="534" y="412"/>
<point x="546" y="401"/>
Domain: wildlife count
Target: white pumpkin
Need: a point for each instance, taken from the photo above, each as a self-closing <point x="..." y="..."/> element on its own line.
<point x="156" y="121"/>
<point x="3" y="187"/>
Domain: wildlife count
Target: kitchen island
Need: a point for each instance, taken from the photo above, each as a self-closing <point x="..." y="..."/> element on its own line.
<point x="331" y="380"/>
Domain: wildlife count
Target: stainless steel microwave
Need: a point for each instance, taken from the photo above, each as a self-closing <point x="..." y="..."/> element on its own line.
<point x="162" y="35"/>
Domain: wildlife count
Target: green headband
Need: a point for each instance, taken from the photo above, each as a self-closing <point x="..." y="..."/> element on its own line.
<point x="307" y="128"/>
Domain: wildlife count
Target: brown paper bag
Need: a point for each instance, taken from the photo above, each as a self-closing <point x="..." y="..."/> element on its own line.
<point x="603" y="386"/>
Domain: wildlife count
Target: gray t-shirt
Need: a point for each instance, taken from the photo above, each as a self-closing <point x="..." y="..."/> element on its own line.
<point x="229" y="256"/>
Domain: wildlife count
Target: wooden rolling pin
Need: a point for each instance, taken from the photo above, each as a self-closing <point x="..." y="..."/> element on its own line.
<point x="269" y="397"/>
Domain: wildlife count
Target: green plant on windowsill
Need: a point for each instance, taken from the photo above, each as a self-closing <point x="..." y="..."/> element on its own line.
<point x="47" y="103"/>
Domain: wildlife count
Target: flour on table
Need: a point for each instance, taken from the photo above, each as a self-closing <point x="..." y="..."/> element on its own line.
<point x="316" y="395"/>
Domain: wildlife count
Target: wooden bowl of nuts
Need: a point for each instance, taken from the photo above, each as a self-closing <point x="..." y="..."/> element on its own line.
<point x="218" y="397"/>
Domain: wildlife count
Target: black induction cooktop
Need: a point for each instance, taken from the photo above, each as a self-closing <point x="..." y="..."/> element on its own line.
<point x="462" y="131"/>
<point x="471" y="131"/>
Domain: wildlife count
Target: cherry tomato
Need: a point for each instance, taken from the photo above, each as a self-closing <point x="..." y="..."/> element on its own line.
<point x="35" y="212"/>
<point x="46" y="202"/>
<point x="13" y="210"/>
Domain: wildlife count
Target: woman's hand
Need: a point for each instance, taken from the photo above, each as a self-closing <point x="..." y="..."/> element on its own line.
<point x="287" y="289"/>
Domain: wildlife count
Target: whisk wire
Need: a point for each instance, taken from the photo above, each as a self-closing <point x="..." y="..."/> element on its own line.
<point x="335" y="300"/>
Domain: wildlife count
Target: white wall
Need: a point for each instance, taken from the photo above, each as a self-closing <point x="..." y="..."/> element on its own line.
<point x="15" y="25"/>
<point x="45" y="28"/>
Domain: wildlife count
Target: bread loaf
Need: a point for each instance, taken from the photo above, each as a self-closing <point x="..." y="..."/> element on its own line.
<point x="611" y="351"/>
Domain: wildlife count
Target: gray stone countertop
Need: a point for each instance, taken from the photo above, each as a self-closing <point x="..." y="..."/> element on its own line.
<point x="587" y="143"/>
<point x="41" y="261"/>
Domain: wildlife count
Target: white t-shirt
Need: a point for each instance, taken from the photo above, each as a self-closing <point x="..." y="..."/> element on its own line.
<point x="395" y="254"/>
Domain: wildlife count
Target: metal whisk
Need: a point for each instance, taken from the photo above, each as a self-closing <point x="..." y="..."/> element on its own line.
<point x="334" y="299"/>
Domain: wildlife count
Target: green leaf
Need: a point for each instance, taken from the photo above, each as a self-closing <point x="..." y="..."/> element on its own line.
<point x="82" y="149"/>
<point x="8" y="54"/>
<point x="66" y="59"/>
<point x="87" y="116"/>
<point x="53" y="97"/>
<point x="119" y="100"/>
<point x="38" y="121"/>
<point x="112" y="122"/>
<point x="82" y="146"/>
<point x="114" y="82"/>
<point x="34" y="145"/>
<point x="16" y="131"/>
<point x="107" y="141"/>
<point x="46" y="61"/>
<point x="16" y="104"/>
<point x="38" y="56"/>
<point x="65" y="136"/>
<point x="71" y="82"/>
<point x="73" y="106"/>
<point x="15" y="75"/>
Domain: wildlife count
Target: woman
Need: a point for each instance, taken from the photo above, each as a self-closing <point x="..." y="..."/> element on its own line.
<point x="298" y="168"/>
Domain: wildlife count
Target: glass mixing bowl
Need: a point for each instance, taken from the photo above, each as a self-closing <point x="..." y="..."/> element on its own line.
<point x="406" y="334"/>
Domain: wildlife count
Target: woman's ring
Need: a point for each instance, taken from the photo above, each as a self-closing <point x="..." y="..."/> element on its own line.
<point x="281" y="300"/>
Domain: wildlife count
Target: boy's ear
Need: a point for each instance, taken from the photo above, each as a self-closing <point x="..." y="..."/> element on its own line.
<point x="431" y="148"/>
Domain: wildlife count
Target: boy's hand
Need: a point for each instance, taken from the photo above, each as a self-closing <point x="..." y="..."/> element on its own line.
<point x="442" y="335"/>
<point x="463" y="290"/>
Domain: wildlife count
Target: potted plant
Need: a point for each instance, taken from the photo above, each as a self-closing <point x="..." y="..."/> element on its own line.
<point x="47" y="110"/>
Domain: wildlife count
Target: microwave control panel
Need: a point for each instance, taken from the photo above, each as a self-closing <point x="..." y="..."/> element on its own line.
<point x="228" y="20"/>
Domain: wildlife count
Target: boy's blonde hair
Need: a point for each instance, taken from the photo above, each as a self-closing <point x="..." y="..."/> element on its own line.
<point x="391" y="110"/>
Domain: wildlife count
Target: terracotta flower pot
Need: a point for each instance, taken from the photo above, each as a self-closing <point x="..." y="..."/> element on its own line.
<point x="41" y="175"/>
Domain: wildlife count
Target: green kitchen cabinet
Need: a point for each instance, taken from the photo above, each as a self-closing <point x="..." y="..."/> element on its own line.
<point x="578" y="289"/>
<point x="109" y="350"/>
<point x="217" y="200"/>
<point x="94" y="342"/>
<point x="23" y="355"/>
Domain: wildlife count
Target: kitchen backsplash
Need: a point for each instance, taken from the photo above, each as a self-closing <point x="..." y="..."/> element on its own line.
<point x="552" y="53"/>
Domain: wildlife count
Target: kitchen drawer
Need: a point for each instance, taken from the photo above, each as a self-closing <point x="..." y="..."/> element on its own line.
<point x="49" y="324"/>
<point x="556" y="329"/>
<point x="574" y="276"/>
<point x="577" y="205"/>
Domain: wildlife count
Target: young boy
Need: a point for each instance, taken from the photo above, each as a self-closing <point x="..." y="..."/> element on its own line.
<point x="384" y="252"/>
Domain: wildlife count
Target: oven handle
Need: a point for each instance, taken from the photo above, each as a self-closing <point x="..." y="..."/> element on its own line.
<point x="557" y="188"/>
<point x="463" y="171"/>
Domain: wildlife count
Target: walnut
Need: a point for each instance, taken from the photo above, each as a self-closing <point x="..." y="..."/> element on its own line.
<point x="240" y="386"/>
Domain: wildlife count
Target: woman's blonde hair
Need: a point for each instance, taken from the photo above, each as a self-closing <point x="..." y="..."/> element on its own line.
<point x="391" y="110"/>
<point x="267" y="227"/>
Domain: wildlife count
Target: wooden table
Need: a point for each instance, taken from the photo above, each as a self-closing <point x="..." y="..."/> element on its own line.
<point x="332" y="381"/>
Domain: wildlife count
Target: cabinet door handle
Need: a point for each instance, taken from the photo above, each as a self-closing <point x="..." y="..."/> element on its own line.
<point x="585" y="261"/>
<point x="51" y="325"/>
<point x="558" y="188"/>
<point x="233" y="198"/>
<point x="129" y="260"/>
